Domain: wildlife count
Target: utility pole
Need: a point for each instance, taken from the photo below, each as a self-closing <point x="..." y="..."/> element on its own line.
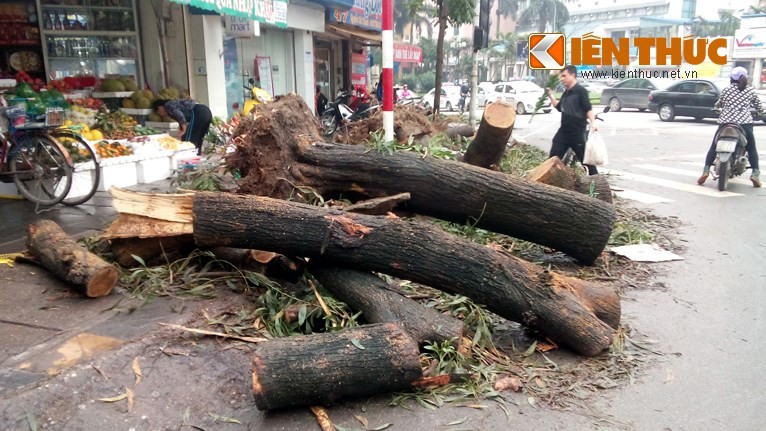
<point x="387" y="78"/>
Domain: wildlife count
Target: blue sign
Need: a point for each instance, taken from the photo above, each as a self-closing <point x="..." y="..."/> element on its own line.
<point x="366" y="14"/>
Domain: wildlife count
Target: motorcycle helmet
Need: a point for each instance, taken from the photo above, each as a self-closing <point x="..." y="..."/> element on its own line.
<point x="738" y="72"/>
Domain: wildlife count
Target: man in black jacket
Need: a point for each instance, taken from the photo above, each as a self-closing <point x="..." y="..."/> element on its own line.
<point x="576" y="112"/>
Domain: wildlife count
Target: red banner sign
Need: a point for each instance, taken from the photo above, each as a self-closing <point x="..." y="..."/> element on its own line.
<point x="407" y="53"/>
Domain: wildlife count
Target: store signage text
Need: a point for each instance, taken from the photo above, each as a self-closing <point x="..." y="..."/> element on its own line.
<point x="407" y="53"/>
<point x="367" y="14"/>
<point x="268" y="11"/>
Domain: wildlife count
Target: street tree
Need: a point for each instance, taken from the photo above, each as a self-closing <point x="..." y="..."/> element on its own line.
<point x="542" y="12"/>
<point x="454" y="12"/>
<point x="503" y="50"/>
<point x="505" y="8"/>
<point x="729" y="23"/>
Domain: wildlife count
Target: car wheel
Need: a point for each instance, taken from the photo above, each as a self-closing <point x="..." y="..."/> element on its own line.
<point x="666" y="112"/>
<point x="448" y="107"/>
<point x="427" y="105"/>
<point x="641" y="109"/>
<point x="614" y="104"/>
<point x="520" y="109"/>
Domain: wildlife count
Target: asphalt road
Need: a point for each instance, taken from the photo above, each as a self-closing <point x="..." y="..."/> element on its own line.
<point x="711" y="317"/>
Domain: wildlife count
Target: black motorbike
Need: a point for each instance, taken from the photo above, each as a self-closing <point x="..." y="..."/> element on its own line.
<point x="338" y="113"/>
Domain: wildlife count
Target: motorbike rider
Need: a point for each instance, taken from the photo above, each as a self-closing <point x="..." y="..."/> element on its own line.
<point x="405" y="93"/>
<point x="735" y="102"/>
<point x="465" y="91"/>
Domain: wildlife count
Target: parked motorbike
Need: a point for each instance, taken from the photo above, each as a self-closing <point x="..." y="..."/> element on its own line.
<point x="254" y="96"/>
<point x="339" y="113"/>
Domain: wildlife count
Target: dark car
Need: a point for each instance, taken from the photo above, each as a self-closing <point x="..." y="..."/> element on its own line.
<point x="632" y="93"/>
<point x="689" y="98"/>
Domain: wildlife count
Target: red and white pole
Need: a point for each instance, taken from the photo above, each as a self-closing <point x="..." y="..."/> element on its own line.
<point x="387" y="76"/>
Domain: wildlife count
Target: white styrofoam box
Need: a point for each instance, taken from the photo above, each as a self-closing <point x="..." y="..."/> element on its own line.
<point x="118" y="171"/>
<point x="182" y="155"/>
<point x="111" y="94"/>
<point x="161" y="125"/>
<point x="135" y="111"/>
<point x="9" y="191"/>
<point x="153" y="169"/>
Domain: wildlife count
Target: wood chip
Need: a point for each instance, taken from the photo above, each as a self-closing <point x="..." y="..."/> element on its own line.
<point x="322" y="418"/>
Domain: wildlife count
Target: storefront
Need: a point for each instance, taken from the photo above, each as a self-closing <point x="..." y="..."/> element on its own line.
<point x="749" y="51"/>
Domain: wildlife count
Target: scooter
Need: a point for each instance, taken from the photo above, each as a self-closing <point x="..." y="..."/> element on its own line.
<point x="338" y="113"/>
<point x="731" y="157"/>
<point x="254" y="96"/>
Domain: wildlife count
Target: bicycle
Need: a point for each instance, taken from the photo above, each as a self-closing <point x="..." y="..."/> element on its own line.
<point x="86" y="166"/>
<point x="30" y="157"/>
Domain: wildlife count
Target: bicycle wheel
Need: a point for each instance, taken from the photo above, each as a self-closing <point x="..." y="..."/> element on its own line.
<point x="86" y="170"/>
<point x="41" y="170"/>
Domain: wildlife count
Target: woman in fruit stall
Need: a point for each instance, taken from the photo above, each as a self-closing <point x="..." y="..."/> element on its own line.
<point x="193" y="118"/>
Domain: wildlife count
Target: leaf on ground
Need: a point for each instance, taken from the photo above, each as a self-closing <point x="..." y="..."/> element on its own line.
<point x="100" y="371"/>
<point x="362" y="420"/>
<point x="216" y="334"/>
<point x="226" y="419"/>
<point x="532" y="401"/>
<point x="356" y="343"/>
<point x="114" y="399"/>
<point x="530" y="350"/>
<point x="540" y="382"/>
<point x="31" y="421"/>
<point x="458" y="422"/>
<point x="129" y="395"/>
<point x="137" y="371"/>
<point x="508" y="383"/>
<point x="382" y="427"/>
<point x="474" y="406"/>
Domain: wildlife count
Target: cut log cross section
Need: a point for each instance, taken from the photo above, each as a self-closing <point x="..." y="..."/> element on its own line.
<point x="489" y="145"/>
<point x="577" y="313"/>
<point x="60" y="254"/>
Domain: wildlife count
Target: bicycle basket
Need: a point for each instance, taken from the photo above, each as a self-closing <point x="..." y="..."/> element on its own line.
<point x="54" y="117"/>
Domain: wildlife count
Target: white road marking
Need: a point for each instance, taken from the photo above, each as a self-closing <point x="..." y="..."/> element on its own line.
<point x="691" y="188"/>
<point x="686" y="173"/>
<point x="641" y="197"/>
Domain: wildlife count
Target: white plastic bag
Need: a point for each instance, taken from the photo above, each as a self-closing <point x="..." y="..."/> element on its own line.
<point x="595" y="150"/>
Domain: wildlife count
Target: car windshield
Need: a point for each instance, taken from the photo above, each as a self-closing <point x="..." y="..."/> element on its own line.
<point x="662" y="83"/>
<point x="526" y="87"/>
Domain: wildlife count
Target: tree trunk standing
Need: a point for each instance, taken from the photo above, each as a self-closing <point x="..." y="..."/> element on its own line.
<point x="576" y="313"/>
<point x="69" y="261"/>
<point x="443" y="14"/>
<point x="323" y="368"/>
<point x="276" y="152"/>
<point x="491" y="141"/>
<point x="372" y="296"/>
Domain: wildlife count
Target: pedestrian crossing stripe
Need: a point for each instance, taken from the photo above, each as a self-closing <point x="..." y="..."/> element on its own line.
<point x="641" y="197"/>
<point x="676" y="171"/>
<point x="676" y="185"/>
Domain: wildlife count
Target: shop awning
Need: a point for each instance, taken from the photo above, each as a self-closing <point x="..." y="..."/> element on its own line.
<point x="347" y="32"/>
<point x="272" y="12"/>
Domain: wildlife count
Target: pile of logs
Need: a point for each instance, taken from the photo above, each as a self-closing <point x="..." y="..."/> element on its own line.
<point x="279" y="149"/>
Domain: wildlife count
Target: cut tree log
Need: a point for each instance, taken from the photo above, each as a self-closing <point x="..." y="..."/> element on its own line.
<point x="323" y="368"/>
<point x="378" y="206"/>
<point x="52" y="248"/>
<point x="276" y="152"/>
<point x="267" y="263"/>
<point x="555" y="173"/>
<point x="489" y="145"/>
<point x="580" y="314"/>
<point x="463" y="130"/>
<point x="365" y="292"/>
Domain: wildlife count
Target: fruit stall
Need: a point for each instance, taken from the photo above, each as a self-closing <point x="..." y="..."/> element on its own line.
<point x="130" y="152"/>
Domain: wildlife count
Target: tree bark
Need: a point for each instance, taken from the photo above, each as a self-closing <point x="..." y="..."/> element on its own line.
<point x="576" y="313"/>
<point x="277" y="152"/>
<point x="555" y="173"/>
<point x="372" y="296"/>
<point x="465" y="131"/>
<point x="488" y="147"/>
<point x="323" y="368"/>
<point x="153" y="251"/>
<point x="69" y="261"/>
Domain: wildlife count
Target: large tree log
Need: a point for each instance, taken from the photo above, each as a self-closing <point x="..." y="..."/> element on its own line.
<point x="555" y="173"/>
<point x="488" y="147"/>
<point x="69" y="261"/>
<point x="275" y="152"/>
<point x="577" y="313"/>
<point x="372" y="296"/>
<point x="323" y="368"/>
